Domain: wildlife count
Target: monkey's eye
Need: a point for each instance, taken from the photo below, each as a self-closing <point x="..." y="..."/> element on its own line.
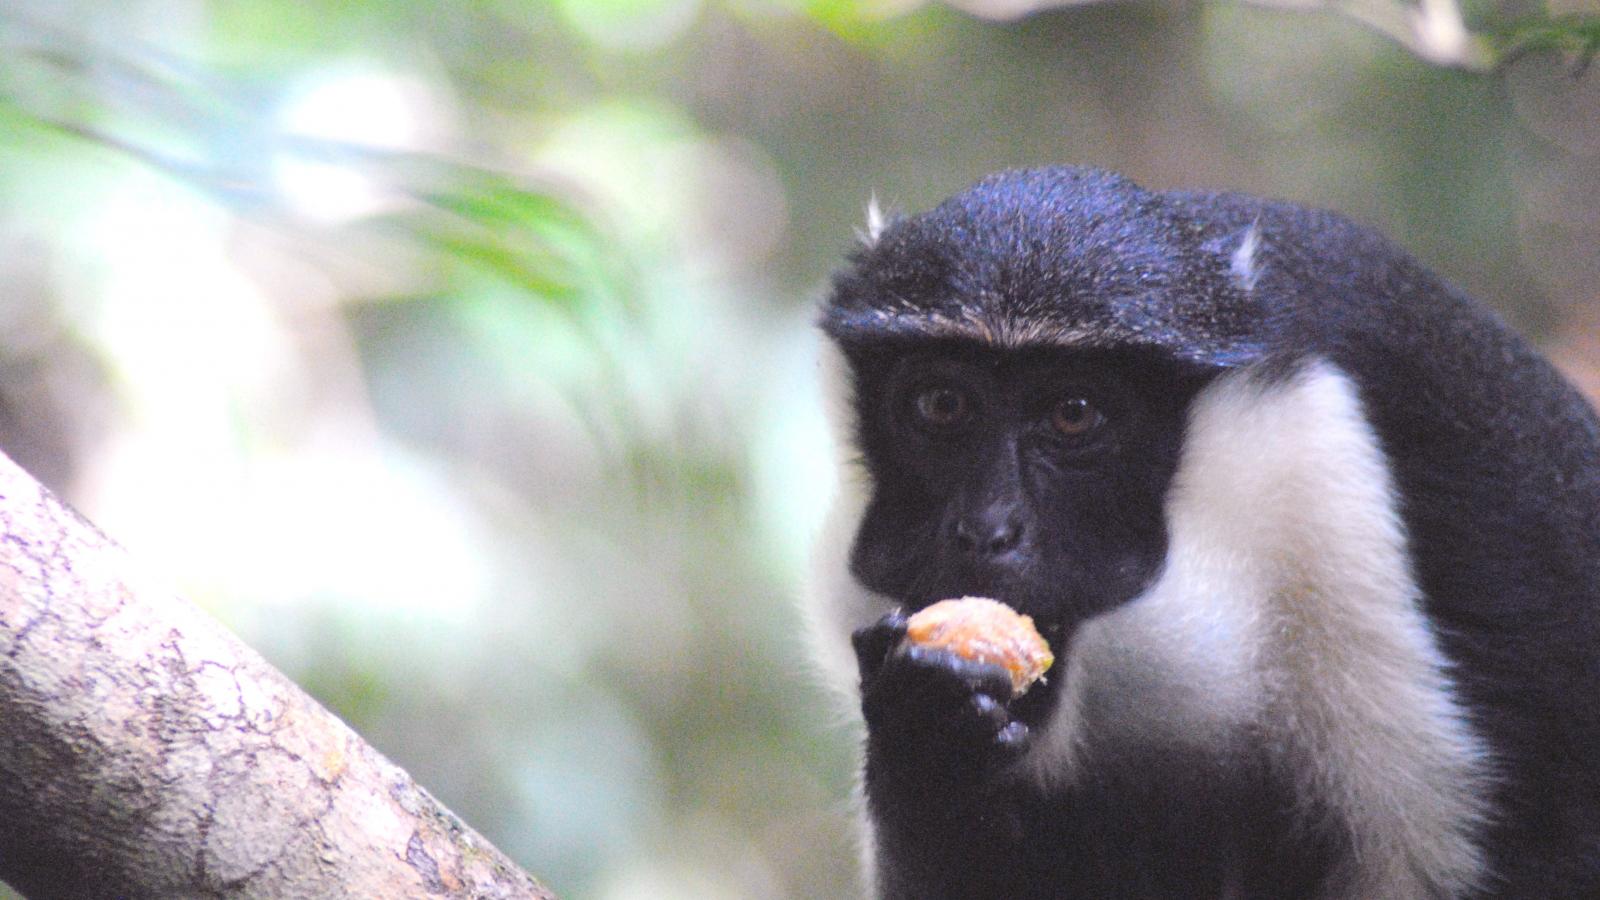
<point x="942" y="407"/>
<point x="1075" y="417"/>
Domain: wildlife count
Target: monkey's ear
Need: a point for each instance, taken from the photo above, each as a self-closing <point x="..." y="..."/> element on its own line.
<point x="877" y="221"/>
<point x="1244" y="263"/>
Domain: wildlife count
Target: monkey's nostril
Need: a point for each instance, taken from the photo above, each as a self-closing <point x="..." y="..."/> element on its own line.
<point x="1004" y="538"/>
<point x="988" y="536"/>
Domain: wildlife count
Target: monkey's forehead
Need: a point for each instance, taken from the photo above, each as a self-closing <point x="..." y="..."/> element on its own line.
<point x="1188" y="327"/>
<point x="1056" y="258"/>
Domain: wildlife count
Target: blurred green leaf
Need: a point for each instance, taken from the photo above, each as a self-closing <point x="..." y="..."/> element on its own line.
<point x="509" y="231"/>
<point x="1576" y="35"/>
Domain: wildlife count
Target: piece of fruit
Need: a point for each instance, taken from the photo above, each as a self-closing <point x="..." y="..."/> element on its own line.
<point x="985" y="631"/>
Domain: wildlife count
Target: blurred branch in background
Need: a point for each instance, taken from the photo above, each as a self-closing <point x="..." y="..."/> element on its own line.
<point x="1435" y="30"/>
<point x="1432" y="29"/>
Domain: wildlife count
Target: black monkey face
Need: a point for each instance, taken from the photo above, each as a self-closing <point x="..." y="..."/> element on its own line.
<point x="1034" y="476"/>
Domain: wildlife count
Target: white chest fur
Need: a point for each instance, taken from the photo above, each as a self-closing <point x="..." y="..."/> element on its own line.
<point x="1287" y="603"/>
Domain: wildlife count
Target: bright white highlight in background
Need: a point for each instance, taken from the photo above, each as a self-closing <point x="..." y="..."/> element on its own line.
<point x="329" y="122"/>
<point x="231" y="461"/>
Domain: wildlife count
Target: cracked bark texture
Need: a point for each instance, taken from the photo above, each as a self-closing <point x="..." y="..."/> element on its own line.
<point x="146" y="753"/>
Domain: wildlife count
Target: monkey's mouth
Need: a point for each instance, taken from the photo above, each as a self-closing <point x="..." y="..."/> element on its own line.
<point x="1056" y="634"/>
<point x="1048" y="617"/>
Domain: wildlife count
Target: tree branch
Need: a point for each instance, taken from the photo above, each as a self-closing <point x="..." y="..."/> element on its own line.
<point x="1431" y="29"/>
<point x="147" y="753"/>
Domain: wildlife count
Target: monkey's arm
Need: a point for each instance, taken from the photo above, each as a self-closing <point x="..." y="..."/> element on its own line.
<point x="939" y="738"/>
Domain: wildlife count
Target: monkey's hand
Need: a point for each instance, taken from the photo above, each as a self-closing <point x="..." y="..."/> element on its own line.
<point x="939" y="735"/>
<point x="929" y="709"/>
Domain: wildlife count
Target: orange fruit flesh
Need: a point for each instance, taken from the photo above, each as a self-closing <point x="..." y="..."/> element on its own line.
<point x="985" y="631"/>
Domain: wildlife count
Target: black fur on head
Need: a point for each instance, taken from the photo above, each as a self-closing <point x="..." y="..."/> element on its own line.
<point x="1030" y="290"/>
<point x="1064" y="256"/>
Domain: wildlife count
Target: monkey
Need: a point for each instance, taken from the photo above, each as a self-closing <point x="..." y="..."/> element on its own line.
<point x="1314" y="537"/>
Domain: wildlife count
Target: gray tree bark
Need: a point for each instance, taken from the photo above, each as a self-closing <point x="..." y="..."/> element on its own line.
<point x="146" y="753"/>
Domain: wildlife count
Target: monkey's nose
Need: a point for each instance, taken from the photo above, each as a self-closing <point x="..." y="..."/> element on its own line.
<point x="991" y="533"/>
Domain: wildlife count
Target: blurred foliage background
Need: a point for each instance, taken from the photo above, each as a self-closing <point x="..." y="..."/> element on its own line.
<point x="459" y="356"/>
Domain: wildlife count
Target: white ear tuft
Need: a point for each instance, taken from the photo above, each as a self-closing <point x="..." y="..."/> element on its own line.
<point x="1244" y="266"/>
<point x="876" y="222"/>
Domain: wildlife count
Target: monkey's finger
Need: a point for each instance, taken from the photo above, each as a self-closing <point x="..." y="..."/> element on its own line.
<point x="991" y="712"/>
<point x="1014" y="736"/>
<point x="957" y="675"/>
<point x="874" y="643"/>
